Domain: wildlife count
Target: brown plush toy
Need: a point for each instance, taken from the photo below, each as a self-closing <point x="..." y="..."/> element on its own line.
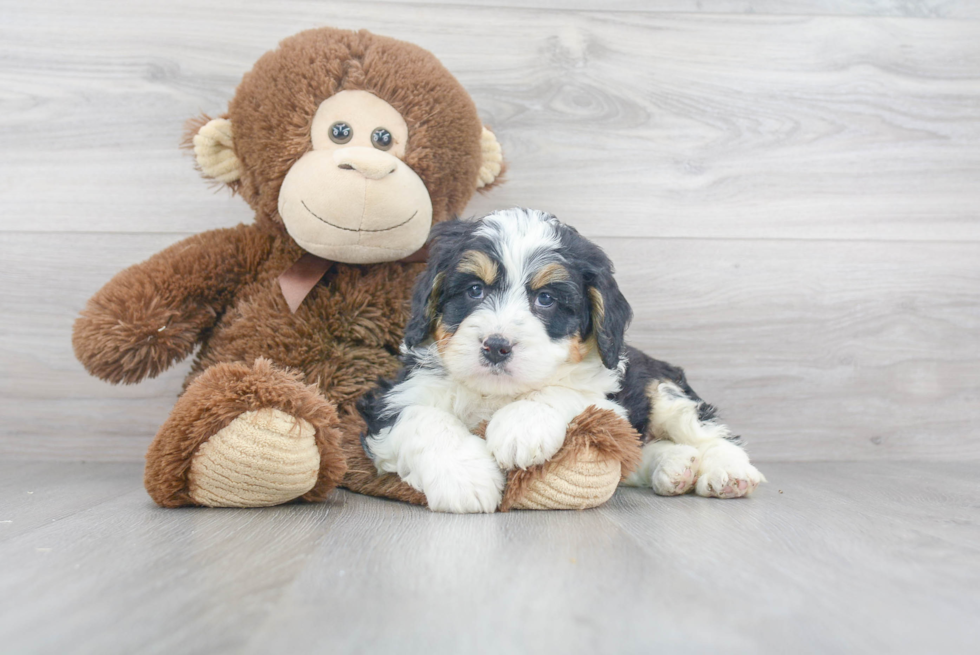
<point x="348" y="146"/>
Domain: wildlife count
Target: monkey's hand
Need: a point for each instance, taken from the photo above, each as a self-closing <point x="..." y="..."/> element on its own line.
<point x="128" y="331"/>
<point x="153" y="314"/>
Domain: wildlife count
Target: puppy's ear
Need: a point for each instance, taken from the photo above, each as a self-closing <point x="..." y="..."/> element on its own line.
<point x="443" y="246"/>
<point x="610" y="313"/>
<point x="425" y="299"/>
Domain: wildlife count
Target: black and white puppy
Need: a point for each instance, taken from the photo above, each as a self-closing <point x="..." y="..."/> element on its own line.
<point x="518" y="321"/>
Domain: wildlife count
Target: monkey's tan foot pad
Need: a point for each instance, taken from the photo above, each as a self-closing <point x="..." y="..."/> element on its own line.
<point x="583" y="482"/>
<point x="600" y="449"/>
<point x="262" y="458"/>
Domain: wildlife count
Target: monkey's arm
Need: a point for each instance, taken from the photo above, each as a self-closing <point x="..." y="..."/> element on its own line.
<point x="151" y="315"/>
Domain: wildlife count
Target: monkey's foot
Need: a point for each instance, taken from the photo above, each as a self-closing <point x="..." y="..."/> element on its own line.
<point x="581" y="482"/>
<point x="600" y="449"/>
<point x="246" y="436"/>
<point x="261" y="458"/>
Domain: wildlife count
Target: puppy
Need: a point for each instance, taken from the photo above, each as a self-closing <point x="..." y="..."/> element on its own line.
<point x="518" y="321"/>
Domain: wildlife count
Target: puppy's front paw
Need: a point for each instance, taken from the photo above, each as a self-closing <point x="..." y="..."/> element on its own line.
<point x="525" y="433"/>
<point x="677" y="471"/>
<point x="727" y="473"/>
<point x="468" y="482"/>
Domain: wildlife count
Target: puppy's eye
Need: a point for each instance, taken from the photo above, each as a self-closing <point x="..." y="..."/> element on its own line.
<point x="475" y="292"/>
<point x="341" y="132"/>
<point x="544" y="299"/>
<point x="382" y="139"/>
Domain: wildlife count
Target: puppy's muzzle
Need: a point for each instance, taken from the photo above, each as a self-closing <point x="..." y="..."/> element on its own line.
<point x="496" y="349"/>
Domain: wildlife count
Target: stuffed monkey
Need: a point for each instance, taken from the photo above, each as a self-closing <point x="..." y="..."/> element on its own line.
<point x="348" y="146"/>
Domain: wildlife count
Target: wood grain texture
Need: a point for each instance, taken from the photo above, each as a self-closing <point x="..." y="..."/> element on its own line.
<point x="897" y="8"/>
<point x="36" y="494"/>
<point x="831" y="557"/>
<point x="812" y="349"/>
<point x="662" y="124"/>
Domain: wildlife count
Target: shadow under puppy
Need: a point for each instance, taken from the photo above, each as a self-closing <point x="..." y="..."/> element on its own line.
<point x="518" y="324"/>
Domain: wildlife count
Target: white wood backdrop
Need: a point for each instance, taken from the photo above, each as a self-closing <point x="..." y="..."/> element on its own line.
<point x="791" y="191"/>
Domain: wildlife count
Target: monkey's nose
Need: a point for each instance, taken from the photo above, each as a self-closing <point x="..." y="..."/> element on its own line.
<point x="369" y="162"/>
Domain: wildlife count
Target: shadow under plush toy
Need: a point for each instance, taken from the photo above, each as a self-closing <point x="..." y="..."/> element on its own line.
<point x="348" y="146"/>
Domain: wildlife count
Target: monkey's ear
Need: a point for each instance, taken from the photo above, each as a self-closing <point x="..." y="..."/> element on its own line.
<point x="214" y="149"/>
<point x="492" y="163"/>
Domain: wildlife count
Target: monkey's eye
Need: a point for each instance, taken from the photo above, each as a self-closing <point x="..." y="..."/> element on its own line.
<point x="382" y="139"/>
<point x="341" y="132"/>
<point x="544" y="299"/>
<point x="475" y="292"/>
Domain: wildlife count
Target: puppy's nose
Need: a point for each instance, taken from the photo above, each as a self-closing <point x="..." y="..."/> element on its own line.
<point x="369" y="162"/>
<point x="496" y="349"/>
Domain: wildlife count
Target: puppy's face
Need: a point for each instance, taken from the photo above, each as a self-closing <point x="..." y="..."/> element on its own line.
<point x="512" y="297"/>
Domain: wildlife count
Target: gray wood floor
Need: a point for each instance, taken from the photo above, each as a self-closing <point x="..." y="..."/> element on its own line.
<point x="828" y="557"/>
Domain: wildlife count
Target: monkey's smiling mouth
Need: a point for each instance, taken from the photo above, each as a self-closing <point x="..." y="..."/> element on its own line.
<point x="347" y="229"/>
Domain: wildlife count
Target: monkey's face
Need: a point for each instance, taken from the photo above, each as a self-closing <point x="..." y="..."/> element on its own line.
<point x="352" y="198"/>
<point x="353" y="143"/>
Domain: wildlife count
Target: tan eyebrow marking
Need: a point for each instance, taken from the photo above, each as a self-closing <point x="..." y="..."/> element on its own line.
<point x="479" y="264"/>
<point x="550" y="274"/>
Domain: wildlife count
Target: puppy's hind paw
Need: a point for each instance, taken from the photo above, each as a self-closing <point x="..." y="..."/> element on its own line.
<point x="676" y="473"/>
<point x="734" y="480"/>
